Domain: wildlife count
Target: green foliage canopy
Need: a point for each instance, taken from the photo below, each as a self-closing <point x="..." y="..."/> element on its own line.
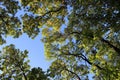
<point x="14" y="63"/>
<point x="82" y="36"/>
<point x="37" y="74"/>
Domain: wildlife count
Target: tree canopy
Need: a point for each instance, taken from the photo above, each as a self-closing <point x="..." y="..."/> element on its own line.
<point x="14" y="66"/>
<point x="37" y="74"/>
<point x="14" y="63"/>
<point x="82" y="37"/>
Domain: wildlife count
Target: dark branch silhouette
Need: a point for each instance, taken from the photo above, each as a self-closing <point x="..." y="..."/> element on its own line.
<point x="85" y="59"/>
<point x="56" y="10"/>
<point x="73" y="73"/>
<point x="104" y="41"/>
<point x="111" y="45"/>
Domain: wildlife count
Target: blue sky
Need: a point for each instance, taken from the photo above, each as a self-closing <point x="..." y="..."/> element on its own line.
<point x="35" y="48"/>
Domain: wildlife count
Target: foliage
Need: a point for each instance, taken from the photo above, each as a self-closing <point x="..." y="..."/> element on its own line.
<point x="82" y="36"/>
<point x="11" y="21"/>
<point x="37" y="74"/>
<point x="14" y="63"/>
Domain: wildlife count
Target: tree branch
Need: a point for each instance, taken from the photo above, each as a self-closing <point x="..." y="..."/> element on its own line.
<point x="73" y="73"/>
<point x="104" y="41"/>
<point x="21" y="68"/>
<point x="111" y="45"/>
<point x="56" y="10"/>
<point x="100" y="68"/>
<point x="85" y="59"/>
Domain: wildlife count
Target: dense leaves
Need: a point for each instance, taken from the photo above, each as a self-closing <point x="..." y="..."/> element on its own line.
<point x="14" y="63"/>
<point x="11" y="13"/>
<point x="37" y="74"/>
<point x="14" y="66"/>
<point x="82" y="37"/>
<point x="88" y="37"/>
